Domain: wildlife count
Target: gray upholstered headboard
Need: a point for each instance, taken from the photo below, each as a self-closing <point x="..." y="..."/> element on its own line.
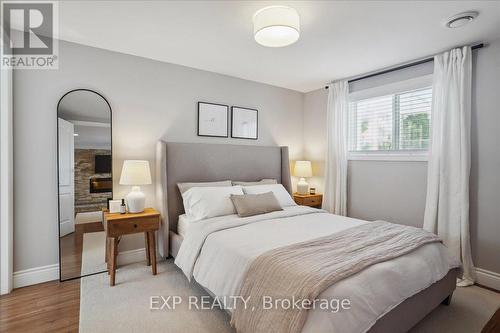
<point x="197" y="162"/>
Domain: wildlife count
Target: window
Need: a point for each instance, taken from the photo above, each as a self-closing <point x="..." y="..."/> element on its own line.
<point x="393" y="124"/>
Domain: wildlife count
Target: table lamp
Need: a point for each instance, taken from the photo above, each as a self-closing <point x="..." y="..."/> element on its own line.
<point x="303" y="170"/>
<point x="135" y="173"/>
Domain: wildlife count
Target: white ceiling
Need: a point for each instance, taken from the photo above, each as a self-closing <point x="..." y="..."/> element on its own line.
<point x="338" y="38"/>
<point x="92" y="137"/>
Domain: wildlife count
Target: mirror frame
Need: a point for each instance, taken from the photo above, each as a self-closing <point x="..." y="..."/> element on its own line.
<point x="57" y="168"/>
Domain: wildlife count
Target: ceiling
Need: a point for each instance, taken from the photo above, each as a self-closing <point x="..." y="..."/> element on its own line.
<point x="92" y="137"/>
<point x="338" y="38"/>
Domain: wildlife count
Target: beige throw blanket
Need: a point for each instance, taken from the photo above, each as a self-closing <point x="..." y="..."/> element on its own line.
<point x="304" y="270"/>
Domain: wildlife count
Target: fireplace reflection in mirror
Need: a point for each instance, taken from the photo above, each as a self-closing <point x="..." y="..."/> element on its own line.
<point x="100" y="185"/>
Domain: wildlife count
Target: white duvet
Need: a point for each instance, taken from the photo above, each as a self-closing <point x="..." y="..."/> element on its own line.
<point x="217" y="251"/>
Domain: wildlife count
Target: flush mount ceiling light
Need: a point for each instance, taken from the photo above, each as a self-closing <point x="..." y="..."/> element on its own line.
<point x="276" y="26"/>
<point x="459" y="20"/>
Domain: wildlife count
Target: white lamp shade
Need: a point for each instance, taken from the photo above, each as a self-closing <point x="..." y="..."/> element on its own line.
<point x="276" y="26"/>
<point x="302" y="169"/>
<point x="135" y="172"/>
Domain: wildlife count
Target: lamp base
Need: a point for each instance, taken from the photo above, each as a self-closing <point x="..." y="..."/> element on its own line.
<point x="302" y="186"/>
<point x="136" y="200"/>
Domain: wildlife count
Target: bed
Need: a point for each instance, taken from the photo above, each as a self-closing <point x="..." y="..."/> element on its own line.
<point x="393" y="295"/>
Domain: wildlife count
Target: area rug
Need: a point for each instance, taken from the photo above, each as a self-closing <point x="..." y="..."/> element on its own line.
<point x="126" y="306"/>
<point x="470" y="309"/>
<point x="93" y="252"/>
<point x="88" y="217"/>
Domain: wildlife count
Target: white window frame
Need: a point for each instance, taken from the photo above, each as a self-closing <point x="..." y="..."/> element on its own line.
<point x="388" y="89"/>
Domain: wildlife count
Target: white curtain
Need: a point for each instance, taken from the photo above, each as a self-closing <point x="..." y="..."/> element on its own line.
<point x="335" y="193"/>
<point x="447" y="205"/>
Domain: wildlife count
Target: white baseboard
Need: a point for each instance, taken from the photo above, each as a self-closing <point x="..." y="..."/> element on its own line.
<point x="488" y="278"/>
<point x="131" y="256"/>
<point x="42" y="274"/>
<point x="35" y="275"/>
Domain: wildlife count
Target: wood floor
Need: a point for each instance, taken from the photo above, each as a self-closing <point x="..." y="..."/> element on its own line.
<point x="72" y="247"/>
<point x="493" y="326"/>
<point x="51" y="306"/>
<point x="54" y="307"/>
<point x="46" y="307"/>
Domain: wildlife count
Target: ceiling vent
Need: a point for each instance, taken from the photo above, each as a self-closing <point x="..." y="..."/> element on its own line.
<point x="459" y="20"/>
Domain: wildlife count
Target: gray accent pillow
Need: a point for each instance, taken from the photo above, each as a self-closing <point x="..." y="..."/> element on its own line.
<point x="183" y="187"/>
<point x="260" y="182"/>
<point x="254" y="204"/>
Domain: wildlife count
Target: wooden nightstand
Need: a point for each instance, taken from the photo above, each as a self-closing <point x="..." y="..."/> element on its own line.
<point x="311" y="200"/>
<point x="118" y="225"/>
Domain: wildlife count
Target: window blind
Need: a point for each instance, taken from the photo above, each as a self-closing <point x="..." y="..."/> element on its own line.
<point x="394" y="122"/>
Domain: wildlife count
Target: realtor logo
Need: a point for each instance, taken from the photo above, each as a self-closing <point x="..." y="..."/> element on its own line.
<point x="28" y="30"/>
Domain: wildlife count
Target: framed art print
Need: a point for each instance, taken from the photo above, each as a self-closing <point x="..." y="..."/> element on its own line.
<point x="213" y="119"/>
<point x="244" y="123"/>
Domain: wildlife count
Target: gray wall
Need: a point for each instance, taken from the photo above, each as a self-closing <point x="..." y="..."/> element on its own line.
<point x="395" y="191"/>
<point x="485" y="167"/>
<point x="150" y="100"/>
<point x="387" y="190"/>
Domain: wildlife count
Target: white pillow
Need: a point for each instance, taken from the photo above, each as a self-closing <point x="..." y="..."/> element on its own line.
<point x="205" y="202"/>
<point x="183" y="187"/>
<point x="278" y="190"/>
<point x="264" y="181"/>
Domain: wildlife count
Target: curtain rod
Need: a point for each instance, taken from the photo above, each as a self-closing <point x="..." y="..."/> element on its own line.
<point x="397" y="68"/>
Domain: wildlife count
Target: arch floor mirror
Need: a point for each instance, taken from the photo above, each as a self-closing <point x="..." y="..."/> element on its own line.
<point x="85" y="182"/>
